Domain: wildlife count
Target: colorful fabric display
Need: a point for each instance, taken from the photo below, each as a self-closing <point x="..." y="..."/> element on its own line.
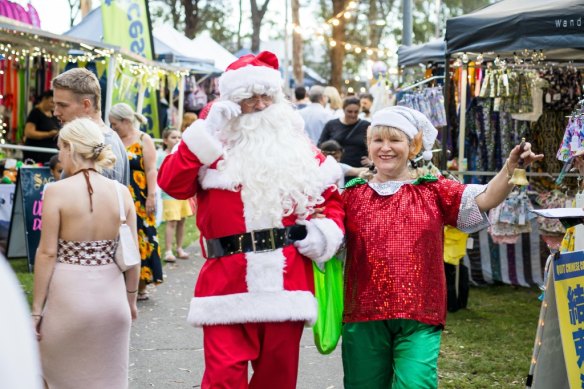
<point x="429" y="101"/>
<point x="511" y="218"/>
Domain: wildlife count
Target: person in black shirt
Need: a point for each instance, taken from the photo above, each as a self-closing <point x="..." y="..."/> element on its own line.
<point x="350" y="132"/>
<point x="41" y="128"/>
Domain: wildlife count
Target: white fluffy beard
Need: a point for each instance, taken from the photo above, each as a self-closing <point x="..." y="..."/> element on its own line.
<point x="271" y="159"/>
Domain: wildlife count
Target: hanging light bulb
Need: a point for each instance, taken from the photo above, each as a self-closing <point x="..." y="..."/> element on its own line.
<point x="348" y="46"/>
<point x="358" y="50"/>
<point x="335" y="22"/>
<point x="333" y="43"/>
<point x="369" y="52"/>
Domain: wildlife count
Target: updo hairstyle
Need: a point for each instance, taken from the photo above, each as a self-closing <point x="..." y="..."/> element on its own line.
<point x="123" y="111"/>
<point x="85" y="141"/>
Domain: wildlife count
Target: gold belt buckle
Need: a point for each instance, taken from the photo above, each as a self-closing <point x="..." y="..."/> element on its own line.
<point x="272" y="241"/>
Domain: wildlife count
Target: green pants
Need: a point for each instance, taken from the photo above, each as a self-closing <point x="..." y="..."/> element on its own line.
<point x="396" y="354"/>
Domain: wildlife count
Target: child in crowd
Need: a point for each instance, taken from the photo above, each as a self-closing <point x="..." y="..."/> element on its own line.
<point x="56" y="167"/>
<point x="175" y="211"/>
<point x="334" y="149"/>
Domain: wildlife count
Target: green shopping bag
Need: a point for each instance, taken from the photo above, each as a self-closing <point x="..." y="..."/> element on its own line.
<point x="328" y="287"/>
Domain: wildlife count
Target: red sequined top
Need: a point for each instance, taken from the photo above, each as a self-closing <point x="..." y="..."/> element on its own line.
<point x="394" y="267"/>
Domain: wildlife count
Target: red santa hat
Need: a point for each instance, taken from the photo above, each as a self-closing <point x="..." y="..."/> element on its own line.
<point x="251" y="70"/>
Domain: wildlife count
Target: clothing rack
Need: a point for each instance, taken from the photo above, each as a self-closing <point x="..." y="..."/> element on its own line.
<point x="409" y="87"/>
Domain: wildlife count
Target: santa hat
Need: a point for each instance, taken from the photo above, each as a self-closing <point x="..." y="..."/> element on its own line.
<point x="410" y="122"/>
<point x="248" y="71"/>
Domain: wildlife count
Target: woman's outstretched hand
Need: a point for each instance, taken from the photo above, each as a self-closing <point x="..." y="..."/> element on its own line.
<point x="523" y="153"/>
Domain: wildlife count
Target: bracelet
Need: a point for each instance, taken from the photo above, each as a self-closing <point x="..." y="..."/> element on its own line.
<point x="509" y="174"/>
<point x="33" y="315"/>
<point x="133" y="291"/>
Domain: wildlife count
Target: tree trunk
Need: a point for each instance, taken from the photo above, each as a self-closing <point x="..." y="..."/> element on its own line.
<point x="378" y="10"/>
<point x="297" y="49"/>
<point x="239" y="45"/>
<point x="74" y="8"/>
<point x="175" y="12"/>
<point x="337" y="54"/>
<point x="85" y="6"/>
<point x="257" y="14"/>
<point x="191" y="17"/>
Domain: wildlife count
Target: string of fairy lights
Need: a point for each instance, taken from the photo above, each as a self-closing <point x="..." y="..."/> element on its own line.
<point x="53" y="51"/>
<point x="350" y="11"/>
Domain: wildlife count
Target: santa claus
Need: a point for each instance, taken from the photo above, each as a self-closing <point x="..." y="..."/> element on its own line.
<point x="258" y="181"/>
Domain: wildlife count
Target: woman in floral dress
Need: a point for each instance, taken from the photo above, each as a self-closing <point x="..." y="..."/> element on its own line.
<point x="142" y="158"/>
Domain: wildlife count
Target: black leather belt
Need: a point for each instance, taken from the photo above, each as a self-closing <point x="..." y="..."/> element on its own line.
<point x="257" y="241"/>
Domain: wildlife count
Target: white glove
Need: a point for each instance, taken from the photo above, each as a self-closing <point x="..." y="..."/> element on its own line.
<point x="220" y="114"/>
<point x="314" y="244"/>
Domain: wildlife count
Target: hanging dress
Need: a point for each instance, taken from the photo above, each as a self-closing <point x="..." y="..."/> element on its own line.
<point x="151" y="267"/>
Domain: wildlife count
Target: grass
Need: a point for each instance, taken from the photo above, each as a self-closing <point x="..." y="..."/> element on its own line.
<point x="20" y="266"/>
<point x="488" y="345"/>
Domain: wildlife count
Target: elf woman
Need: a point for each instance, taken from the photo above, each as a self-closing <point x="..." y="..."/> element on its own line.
<point x="395" y="288"/>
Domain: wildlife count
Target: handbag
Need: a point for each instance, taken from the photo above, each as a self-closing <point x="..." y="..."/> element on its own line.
<point x="127" y="253"/>
<point x="328" y="287"/>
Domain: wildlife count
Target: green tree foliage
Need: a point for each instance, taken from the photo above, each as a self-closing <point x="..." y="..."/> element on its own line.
<point x="194" y="16"/>
<point x="379" y="22"/>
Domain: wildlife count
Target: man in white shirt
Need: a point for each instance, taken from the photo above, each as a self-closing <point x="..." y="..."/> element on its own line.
<point x="314" y="115"/>
<point x="366" y="100"/>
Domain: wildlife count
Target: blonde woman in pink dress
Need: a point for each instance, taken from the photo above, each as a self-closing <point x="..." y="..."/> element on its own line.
<point x="83" y="305"/>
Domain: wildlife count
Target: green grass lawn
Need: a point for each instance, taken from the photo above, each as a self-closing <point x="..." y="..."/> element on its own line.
<point x="488" y="345"/>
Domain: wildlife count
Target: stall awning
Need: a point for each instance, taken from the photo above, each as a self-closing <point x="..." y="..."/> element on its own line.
<point x="433" y="51"/>
<point x="513" y="25"/>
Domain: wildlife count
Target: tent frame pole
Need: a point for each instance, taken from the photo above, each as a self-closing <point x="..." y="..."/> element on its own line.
<point x="111" y="75"/>
<point x="462" y="119"/>
<point x="446" y="128"/>
<point x="181" y="100"/>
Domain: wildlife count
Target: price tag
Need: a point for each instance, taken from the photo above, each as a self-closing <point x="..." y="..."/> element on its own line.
<point x="469" y="243"/>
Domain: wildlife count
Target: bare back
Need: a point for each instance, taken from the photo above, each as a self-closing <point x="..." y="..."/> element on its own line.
<point x="77" y="221"/>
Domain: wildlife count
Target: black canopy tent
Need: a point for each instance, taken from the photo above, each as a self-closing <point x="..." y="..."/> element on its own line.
<point x="432" y="51"/>
<point x="555" y="27"/>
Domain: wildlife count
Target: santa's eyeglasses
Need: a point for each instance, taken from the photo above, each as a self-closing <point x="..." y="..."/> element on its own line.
<point x="252" y="101"/>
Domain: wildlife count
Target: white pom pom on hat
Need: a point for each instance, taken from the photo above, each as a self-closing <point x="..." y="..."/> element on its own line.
<point x="410" y="122"/>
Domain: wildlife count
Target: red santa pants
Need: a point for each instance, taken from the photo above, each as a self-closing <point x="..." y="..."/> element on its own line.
<point x="272" y="348"/>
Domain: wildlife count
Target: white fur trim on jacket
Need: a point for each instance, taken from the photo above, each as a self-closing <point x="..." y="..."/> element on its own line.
<point x="207" y="148"/>
<point x="330" y="171"/>
<point x="215" y="179"/>
<point x="265" y="271"/>
<point x="333" y="237"/>
<point x="253" y="308"/>
<point x="247" y="76"/>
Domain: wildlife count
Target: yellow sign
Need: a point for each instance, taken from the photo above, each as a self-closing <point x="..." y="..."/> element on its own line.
<point x="569" y="288"/>
<point x="126" y="24"/>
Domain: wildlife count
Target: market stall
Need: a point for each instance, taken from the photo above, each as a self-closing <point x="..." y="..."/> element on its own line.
<point x="516" y="71"/>
<point x="432" y="51"/>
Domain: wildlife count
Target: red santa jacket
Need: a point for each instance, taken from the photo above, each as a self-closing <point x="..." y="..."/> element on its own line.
<point x="270" y="286"/>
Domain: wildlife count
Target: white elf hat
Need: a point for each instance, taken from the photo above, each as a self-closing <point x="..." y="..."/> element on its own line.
<point x="410" y="122"/>
<point x="248" y="71"/>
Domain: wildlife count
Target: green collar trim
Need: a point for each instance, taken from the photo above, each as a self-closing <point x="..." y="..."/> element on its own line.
<point x="424" y="179"/>
<point x="420" y="180"/>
